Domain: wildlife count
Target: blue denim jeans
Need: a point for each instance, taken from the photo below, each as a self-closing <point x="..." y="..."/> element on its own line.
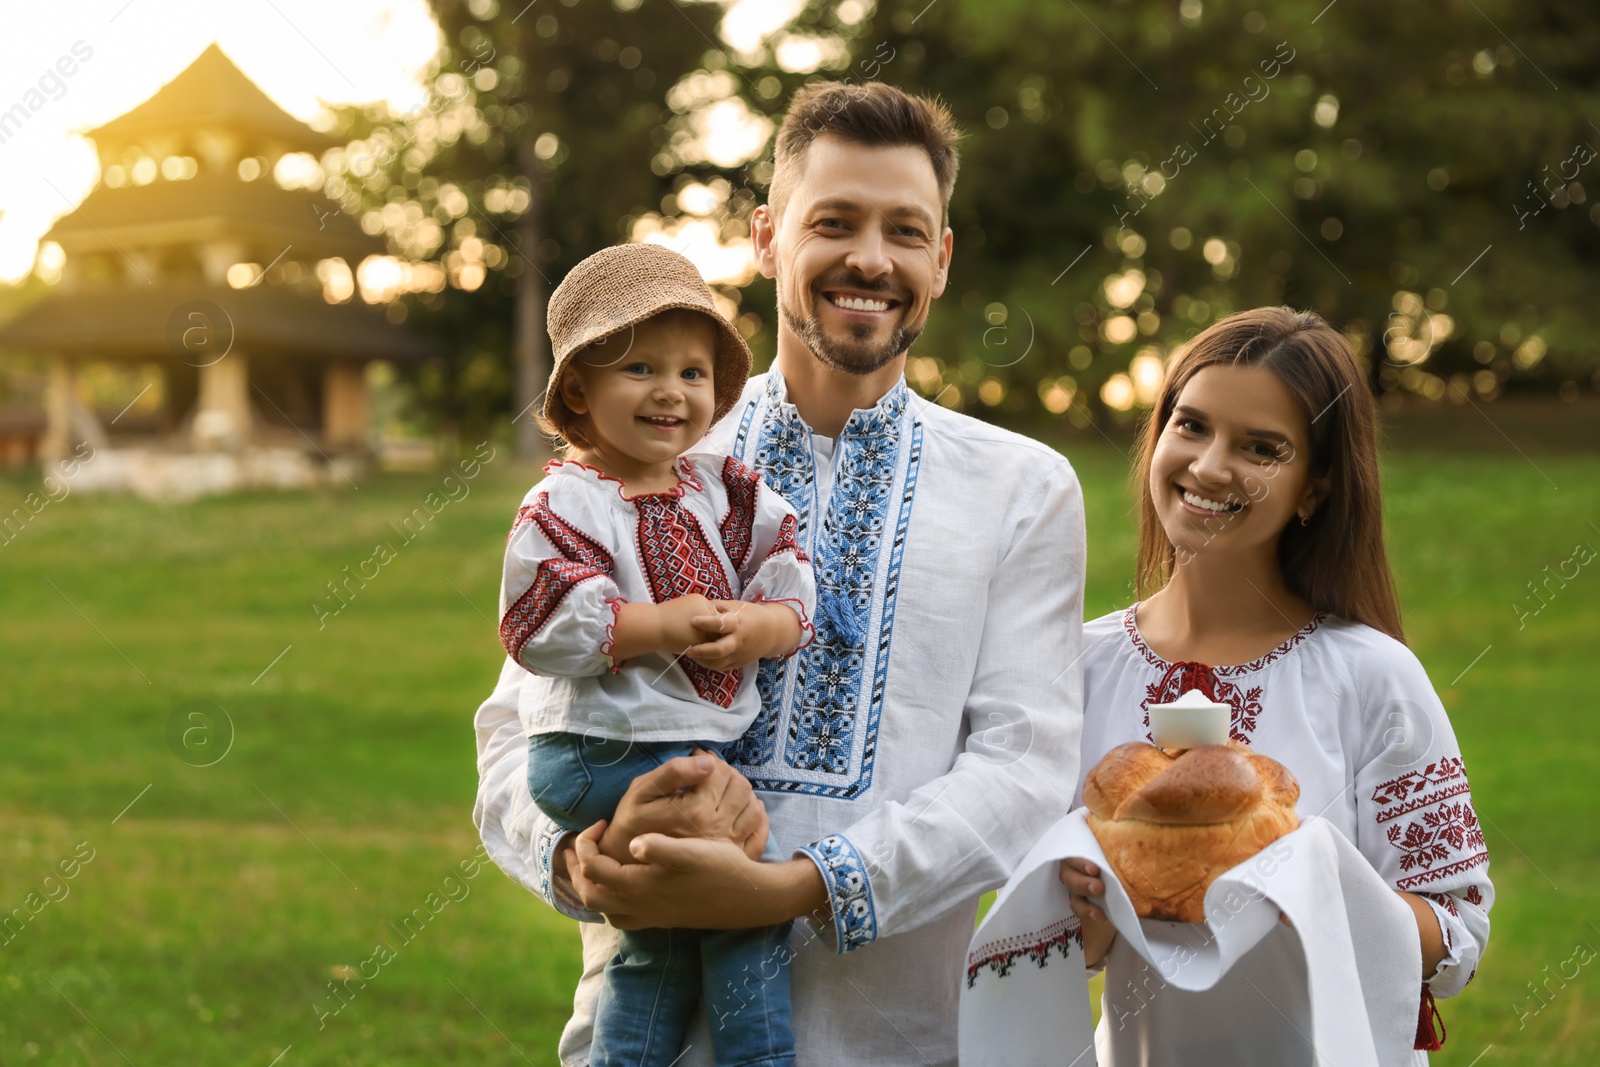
<point x="656" y="979"/>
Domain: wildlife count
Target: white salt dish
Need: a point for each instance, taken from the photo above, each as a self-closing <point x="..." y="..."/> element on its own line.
<point x="1189" y="722"/>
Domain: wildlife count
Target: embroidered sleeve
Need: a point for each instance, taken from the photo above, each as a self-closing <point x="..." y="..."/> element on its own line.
<point x="854" y="917"/>
<point x="1416" y="819"/>
<point x="919" y="857"/>
<point x="559" y="894"/>
<point x="738" y="526"/>
<point x="779" y="571"/>
<point x="557" y="594"/>
<point x="1463" y="916"/>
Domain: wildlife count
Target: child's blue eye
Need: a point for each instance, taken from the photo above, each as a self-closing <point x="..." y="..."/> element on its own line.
<point x="637" y="368"/>
<point x="694" y="374"/>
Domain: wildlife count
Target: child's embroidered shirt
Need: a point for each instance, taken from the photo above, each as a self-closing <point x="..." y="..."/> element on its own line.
<point x="580" y="549"/>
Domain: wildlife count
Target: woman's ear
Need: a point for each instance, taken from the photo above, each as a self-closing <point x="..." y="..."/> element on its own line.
<point x="1316" y="492"/>
<point x="570" y="389"/>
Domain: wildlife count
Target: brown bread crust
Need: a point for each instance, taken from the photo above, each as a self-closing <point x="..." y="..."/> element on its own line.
<point x="1170" y="822"/>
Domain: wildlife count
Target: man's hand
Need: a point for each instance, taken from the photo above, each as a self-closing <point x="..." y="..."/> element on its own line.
<point x="693" y="884"/>
<point x="690" y="796"/>
<point x="1082" y="880"/>
<point x="745" y="632"/>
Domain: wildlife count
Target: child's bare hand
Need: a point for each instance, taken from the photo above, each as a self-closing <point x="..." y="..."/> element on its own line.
<point x="744" y="633"/>
<point x="677" y="619"/>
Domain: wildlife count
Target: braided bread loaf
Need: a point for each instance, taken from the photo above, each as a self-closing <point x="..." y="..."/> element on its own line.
<point x="1171" y="822"/>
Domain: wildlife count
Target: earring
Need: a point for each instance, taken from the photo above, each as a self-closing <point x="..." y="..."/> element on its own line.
<point x="1305" y="520"/>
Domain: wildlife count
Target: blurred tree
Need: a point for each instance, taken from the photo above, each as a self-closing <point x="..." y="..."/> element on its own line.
<point x="1131" y="174"/>
<point x="1204" y="157"/>
<point x="542" y="142"/>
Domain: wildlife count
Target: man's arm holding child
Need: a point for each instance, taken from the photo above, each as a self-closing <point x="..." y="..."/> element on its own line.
<point x="959" y="834"/>
<point x="699" y="794"/>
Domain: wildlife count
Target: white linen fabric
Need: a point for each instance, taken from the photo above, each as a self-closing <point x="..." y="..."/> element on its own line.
<point x="1242" y="989"/>
<point x="927" y="736"/>
<point x="580" y="549"/>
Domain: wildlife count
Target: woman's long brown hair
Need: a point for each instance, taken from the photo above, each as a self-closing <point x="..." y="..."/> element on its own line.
<point x="1337" y="562"/>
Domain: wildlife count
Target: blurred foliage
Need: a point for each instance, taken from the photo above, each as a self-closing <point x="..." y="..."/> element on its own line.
<point x="533" y="151"/>
<point x="1131" y="173"/>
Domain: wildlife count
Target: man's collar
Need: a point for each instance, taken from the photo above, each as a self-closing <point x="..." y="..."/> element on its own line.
<point x="875" y="421"/>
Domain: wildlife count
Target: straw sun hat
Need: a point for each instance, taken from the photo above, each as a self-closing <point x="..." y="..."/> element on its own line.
<point x="616" y="289"/>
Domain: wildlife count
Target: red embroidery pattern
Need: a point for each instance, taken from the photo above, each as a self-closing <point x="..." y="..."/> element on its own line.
<point x="1435" y="838"/>
<point x="686" y="478"/>
<point x="1246" y="702"/>
<point x="788" y="539"/>
<point x="583" y="559"/>
<point x="677" y="561"/>
<point x="1441" y="834"/>
<point x="1474" y="897"/>
<point x="743" y="485"/>
<point x="1445" y="901"/>
<point x="524" y="516"/>
<point x="1232" y="670"/>
<point x="1402" y="795"/>
<point x="1001" y="956"/>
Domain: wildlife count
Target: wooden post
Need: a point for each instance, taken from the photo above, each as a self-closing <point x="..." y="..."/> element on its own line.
<point x="345" y="411"/>
<point x="222" y="413"/>
<point x="57" y="442"/>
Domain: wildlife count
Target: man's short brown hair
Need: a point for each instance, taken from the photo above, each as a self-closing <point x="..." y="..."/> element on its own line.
<point x="869" y="114"/>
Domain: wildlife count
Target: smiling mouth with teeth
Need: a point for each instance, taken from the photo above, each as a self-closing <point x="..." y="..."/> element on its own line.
<point x="1217" y="506"/>
<point x="858" y="303"/>
<point x="662" y="420"/>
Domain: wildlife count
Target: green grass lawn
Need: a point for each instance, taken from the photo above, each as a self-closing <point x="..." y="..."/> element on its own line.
<point x="218" y="908"/>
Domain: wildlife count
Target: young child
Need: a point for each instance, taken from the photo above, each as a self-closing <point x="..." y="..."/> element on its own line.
<point x="640" y="580"/>
<point x="1262" y="565"/>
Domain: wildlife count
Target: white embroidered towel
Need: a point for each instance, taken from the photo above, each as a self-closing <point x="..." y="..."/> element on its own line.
<point x="1345" y="979"/>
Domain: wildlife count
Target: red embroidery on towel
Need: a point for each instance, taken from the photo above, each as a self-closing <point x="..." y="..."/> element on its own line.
<point x="1001" y="956"/>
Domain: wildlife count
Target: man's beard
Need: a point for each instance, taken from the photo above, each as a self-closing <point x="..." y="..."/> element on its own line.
<point x="856" y="356"/>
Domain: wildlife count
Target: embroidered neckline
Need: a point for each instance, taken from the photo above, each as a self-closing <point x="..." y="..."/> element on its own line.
<point x="863" y="422"/>
<point x="686" y="479"/>
<point x="1232" y="670"/>
<point x="817" y="732"/>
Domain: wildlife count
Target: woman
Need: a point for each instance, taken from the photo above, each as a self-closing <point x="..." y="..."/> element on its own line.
<point x="1264" y="580"/>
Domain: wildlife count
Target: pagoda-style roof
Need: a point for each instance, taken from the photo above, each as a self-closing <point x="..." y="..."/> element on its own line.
<point x="135" y="323"/>
<point x="212" y="206"/>
<point x="210" y="93"/>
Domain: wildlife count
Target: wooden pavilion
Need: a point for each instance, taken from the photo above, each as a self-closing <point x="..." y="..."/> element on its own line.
<point x="188" y="254"/>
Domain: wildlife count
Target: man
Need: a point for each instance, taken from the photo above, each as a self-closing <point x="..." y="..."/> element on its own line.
<point x="929" y="734"/>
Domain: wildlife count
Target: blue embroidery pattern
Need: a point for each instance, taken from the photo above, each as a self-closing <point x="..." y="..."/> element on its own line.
<point x="826" y="702"/>
<point x="544" y="852"/>
<point x="855" y="920"/>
